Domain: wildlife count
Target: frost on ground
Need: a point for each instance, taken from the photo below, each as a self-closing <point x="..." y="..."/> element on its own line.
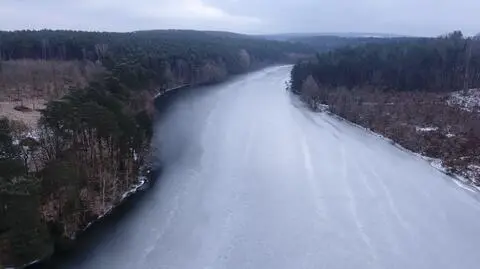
<point x="29" y="118"/>
<point x="472" y="171"/>
<point x="435" y="125"/>
<point x="426" y="129"/>
<point x="141" y="181"/>
<point x="467" y="178"/>
<point x="467" y="100"/>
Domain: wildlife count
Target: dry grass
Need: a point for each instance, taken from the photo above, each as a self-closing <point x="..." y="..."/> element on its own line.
<point x="30" y="118"/>
<point x="422" y="122"/>
<point x="47" y="80"/>
<point x="32" y="83"/>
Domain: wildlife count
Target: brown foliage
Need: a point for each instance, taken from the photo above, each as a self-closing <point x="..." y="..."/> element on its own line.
<point x="419" y="121"/>
<point x="48" y="80"/>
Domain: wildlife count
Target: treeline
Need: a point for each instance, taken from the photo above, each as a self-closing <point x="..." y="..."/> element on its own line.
<point x="326" y="43"/>
<point x="90" y="145"/>
<point x="156" y="58"/>
<point x="149" y="47"/>
<point x="86" y="152"/>
<point x="446" y="63"/>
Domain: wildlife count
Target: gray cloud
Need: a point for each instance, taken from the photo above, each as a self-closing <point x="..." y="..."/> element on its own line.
<point x="414" y="17"/>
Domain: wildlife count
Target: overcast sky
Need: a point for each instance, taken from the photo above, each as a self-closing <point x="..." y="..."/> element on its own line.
<point x="410" y="17"/>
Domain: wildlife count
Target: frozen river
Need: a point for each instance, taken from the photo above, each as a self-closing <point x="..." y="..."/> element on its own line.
<point x="253" y="180"/>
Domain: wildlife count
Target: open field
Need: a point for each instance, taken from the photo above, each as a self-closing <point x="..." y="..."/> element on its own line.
<point x="32" y="83"/>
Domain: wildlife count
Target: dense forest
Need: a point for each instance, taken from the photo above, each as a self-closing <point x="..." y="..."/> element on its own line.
<point x="429" y="64"/>
<point x="329" y="42"/>
<point x="30" y="59"/>
<point x="149" y="48"/>
<point x="91" y="141"/>
<point x="408" y="91"/>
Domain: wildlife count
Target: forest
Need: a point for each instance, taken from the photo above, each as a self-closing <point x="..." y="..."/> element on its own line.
<point x="429" y="64"/>
<point x="148" y="47"/>
<point x="326" y="43"/>
<point x="413" y="91"/>
<point x="91" y="141"/>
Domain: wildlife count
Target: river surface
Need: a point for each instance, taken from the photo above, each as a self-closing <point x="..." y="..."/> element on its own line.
<point x="251" y="179"/>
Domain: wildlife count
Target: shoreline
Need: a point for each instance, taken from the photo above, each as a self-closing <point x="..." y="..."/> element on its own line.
<point x="145" y="182"/>
<point x="435" y="163"/>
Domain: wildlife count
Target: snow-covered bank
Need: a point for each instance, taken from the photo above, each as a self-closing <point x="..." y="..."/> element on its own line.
<point x="467" y="100"/>
<point x="436" y="163"/>
<point x="464" y="179"/>
<point x="141" y="183"/>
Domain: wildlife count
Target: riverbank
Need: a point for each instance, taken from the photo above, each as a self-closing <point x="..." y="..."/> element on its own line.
<point x="132" y="197"/>
<point x="107" y="221"/>
<point x="427" y="124"/>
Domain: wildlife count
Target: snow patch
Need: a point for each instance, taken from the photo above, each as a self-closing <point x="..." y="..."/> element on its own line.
<point x="25" y="265"/>
<point x="461" y="181"/>
<point x="321" y="107"/>
<point x="426" y="129"/>
<point x="34" y="134"/>
<point x="472" y="171"/>
<point x="467" y="100"/>
<point x="135" y="188"/>
<point x="141" y="182"/>
<point x="436" y="163"/>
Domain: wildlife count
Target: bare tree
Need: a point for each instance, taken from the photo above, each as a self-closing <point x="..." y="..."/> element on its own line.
<point x="468" y="56"/>
<point x="1" y="57"/>
<point x="101" y="50"/>
<point x="44" y="49"/>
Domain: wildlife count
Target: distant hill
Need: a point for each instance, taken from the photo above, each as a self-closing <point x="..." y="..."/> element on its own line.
<point x="195" y="33"/>
<point x="328" y="41"/>
<point x="295" y="36"/>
